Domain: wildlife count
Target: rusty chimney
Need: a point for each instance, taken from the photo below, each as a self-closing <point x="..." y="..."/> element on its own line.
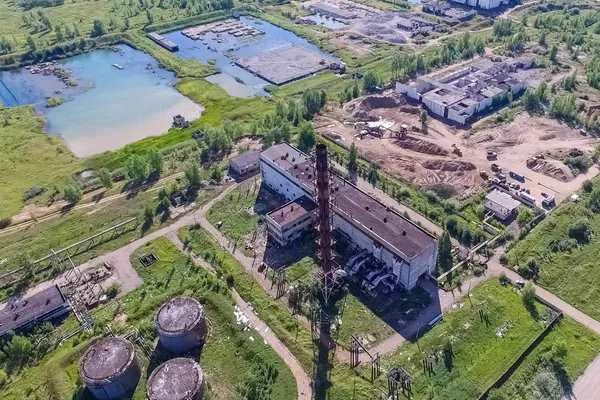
<point x="324" y="215"/>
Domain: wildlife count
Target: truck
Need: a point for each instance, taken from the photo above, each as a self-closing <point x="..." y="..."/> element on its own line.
<point x="517" y="177"/>
<point x="526" y="198"/>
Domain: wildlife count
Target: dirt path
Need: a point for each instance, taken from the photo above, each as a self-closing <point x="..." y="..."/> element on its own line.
<point x="303" y="381"/>
<point x="127" y="277"/>
<point x="587" y="386"/>
<point x="22" y="221"/>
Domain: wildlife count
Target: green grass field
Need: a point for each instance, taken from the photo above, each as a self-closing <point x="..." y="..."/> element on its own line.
<point x="30" y="158"/>
<point x="479" y="355"/>
<point x="582" y="347"/>
<point x="570" y="274"/>
<point x="56" y="375"/>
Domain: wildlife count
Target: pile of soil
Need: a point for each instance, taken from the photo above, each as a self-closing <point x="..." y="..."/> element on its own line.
<point x="409" y="109"/>
<point x="447" y="165"/>
<point x="369" y="103"/>
<point x="553" y="169"/>
<point x="421" y="146"/>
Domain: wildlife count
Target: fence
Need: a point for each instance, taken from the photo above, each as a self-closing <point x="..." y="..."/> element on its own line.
<point x="507" y="374"/>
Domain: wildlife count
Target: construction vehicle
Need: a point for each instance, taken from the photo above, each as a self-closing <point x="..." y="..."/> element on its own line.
<point x="496" y="168"/>
<point x="483" y="174"/>
<point x="491" y="155"/>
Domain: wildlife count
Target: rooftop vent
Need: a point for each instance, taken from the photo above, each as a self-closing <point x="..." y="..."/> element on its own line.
<point x="404" y="233"/>
<point x="295" y="166"/>
<point x="367" y="208"/>
<point x="292" y="208"/>
<point x="385" y="219"/>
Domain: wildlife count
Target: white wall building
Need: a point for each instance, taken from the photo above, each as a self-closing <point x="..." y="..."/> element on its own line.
<point x="485" y="4"/>
<point x="400" y="246"/>
<point x="292" y="220"/>
<point x="501" y="204"/>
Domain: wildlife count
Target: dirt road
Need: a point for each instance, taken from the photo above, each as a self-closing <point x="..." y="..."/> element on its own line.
<point x="587" y="386"/>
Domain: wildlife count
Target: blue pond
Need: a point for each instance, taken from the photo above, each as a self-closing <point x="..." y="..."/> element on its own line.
<point x="110" y="107"/>
<point x="233" y="48"/>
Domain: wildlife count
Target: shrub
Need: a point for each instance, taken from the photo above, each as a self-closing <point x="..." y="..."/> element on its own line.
<point x="72" y="194"/>
<point x="4" y="222"/>
<point x="528" y="296"/>
<point x="580" y="230"/>
<point x="33" y="192"/>
<point x="587" y="186"/>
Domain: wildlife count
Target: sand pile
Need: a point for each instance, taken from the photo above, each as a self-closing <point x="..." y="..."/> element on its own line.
<point x="421" y="146"/>
<point x="445" y="165"/>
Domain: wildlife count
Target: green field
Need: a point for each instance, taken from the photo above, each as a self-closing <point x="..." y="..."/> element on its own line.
<point x="55" y="377"/>
<point x="582" y="347"/>
<point x="569" y="272"/>
<point x="30" y="158"/>
<point x="479" y="356"/>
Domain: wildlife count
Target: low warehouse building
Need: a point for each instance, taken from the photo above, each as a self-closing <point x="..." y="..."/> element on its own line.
<point x="110" y="369"/>
<point x="397" y="244"/>
<point x="501" y="204"/>
<point x="245" y="164"/>
<point x="41" y="307"/>
<point x="180" y="324"/>
<point x="290" y="221"/>
<point x="176" y="379"/>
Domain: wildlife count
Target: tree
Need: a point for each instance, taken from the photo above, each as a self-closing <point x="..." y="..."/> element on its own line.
<point x="353" y="160"/>
<point x="18" y="350"/>
<point x="216" y="174"/>
<point x="31" y="43"/>
<point x="98" y="29"/>
<point x="59" y="35"/>
<point x="155" y="160"/>
<point x="24" y="262"/>
<point x="306" y="136"/>
<point x="126" y="24"/>
<point x="136" y="168"/>
<point x="553" y="53"/>
<point x="370" y="82"/>
<point x="373" y="174"/>
<point x="528" y="296"/>
<point x="444" y="261"/>
<point x="580" y="230"/>
<point x="149" y="16"/>
<point x="594" y="200"/>
<point x="192" y="174"/>
<point x="525" y="215"/>
<point x="542" y="40"/>
<point x="72" y="194"/>
<point x="423" y="118"/>
<point x="105" y="178"/>
<point x="587" y="186"/>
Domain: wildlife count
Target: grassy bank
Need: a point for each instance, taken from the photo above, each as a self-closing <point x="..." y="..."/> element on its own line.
<point x="30" y="158"/>
<point x="56" y="377"/>
<point x="473" y="356"/>
<point x="532" y="376"/>
<point x="567" y="268"/>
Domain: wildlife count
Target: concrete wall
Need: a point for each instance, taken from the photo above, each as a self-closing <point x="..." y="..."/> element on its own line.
<point x="454" y="115"/>
<point x="434" y="107"/>
<point x="410" y="91"/>
<point x="280" y="183"/>
<point x="186" y="342"/>
<point x="120" y="386"/>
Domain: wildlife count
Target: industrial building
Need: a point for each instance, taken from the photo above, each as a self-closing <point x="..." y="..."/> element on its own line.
<point x="485" y="4"/>
<point x="245" y="164"/>
<point x="445" y="9"/>
<point x="180" y="324"/>
<point x="110" y="368"/>
<point x="395" y="243"/>
<point x="176" y="379"/>
<point x="41" y="307"/>
<point x="460" y="95"/>
<point x="292" y="220"/>
<point x="501" y="204"/>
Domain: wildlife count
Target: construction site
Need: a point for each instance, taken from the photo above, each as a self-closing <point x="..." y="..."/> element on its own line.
<point x="389" y="26"/>
<point x="388" y="131"/>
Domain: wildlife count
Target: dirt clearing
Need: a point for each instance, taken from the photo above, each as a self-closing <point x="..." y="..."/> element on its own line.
<point x="533" y="147"/>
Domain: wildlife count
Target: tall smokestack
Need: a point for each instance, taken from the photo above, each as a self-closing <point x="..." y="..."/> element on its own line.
<point x="324" y="221"/>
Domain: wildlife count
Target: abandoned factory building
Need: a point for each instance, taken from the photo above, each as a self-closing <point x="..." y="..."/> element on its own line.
<point x="397" y="244"/>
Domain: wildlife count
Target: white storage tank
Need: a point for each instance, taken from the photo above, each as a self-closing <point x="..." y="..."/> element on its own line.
<point x="176" y="379"/>
<point x="180" y="324"/>
<point x="110" y="369"/>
